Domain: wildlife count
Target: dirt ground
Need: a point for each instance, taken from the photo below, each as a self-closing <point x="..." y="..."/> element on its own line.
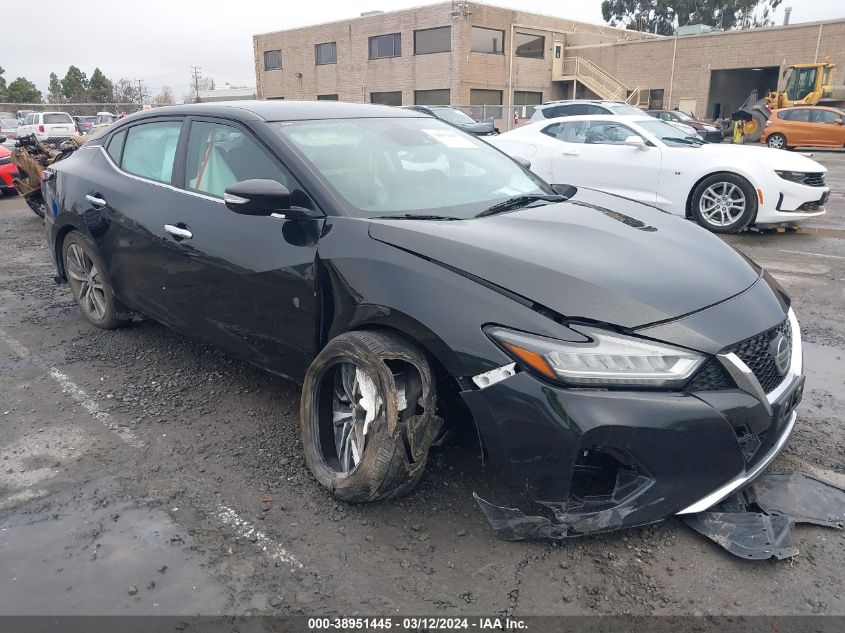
<point x="145" y="473"/>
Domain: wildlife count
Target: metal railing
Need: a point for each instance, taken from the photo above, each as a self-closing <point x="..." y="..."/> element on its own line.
<point x="605" y="85"/>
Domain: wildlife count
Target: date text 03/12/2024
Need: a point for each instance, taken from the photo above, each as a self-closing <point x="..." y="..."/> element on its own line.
<point x="415" y="623"/>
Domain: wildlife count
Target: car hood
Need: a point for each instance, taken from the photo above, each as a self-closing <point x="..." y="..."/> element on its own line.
<point x="595" y="256"/>
<point x="764" y="156"/>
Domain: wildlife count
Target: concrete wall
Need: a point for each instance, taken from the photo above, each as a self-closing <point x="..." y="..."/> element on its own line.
<point x="355" y="76"/>
<point x="649" y="64"/>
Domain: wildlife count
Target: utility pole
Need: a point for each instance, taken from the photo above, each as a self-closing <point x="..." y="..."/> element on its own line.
<point x="140" y="92"/>
<point x="196" y="73"/>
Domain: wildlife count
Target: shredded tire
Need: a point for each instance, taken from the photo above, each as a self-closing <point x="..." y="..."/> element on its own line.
<point x="398" y="441"/>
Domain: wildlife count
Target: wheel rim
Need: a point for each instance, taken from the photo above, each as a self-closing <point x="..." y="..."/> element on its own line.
<point x="722" y="204"/>
<point x="776" y="141"/>
<point x="356" y="402"/>
<point x="85" y="282"/>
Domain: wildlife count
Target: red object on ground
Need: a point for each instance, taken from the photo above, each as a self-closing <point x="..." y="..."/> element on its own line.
<point x="6" y="169"/>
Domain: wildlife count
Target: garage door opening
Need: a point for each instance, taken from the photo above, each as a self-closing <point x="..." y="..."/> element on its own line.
<point x="730" y="88"/>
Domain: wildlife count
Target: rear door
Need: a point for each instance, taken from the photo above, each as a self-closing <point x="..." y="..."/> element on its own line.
<point x="58" y="124"/>
<point x="593" y="155"/>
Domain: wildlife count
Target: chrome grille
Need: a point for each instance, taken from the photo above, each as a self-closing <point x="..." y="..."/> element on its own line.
<point x="754" y="352"/>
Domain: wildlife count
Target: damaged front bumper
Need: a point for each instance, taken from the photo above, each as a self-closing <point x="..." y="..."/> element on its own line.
<point x="600" y="460"/>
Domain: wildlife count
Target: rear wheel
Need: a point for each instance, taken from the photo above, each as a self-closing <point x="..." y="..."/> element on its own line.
<point x="89" y="282"/>
<point x="753" y="129"/>
<point x="724" y="203"/>
<point x="776" y="141"/>
<point x="367" y="416"/>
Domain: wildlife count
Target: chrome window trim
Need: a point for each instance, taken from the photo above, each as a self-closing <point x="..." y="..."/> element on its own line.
<point x="149" y="181"/>
<point x="738" y="482"/>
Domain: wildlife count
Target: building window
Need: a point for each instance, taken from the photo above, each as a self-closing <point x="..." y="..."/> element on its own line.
<point x="655" y="99"/>
<point x="485" y="103"/>
<point x="431" y="97"/>
<point x="528" y="45"/>
<point x="325" y="53"/>
<point x="386" y="98"/>
<point x="437" y="40"/>
<point x="488" y="40"/>
<point x="272" y="60"/>
<point x="523" y="97"/>
<point x="386" y="46"/>
<point x="326" y="97"/>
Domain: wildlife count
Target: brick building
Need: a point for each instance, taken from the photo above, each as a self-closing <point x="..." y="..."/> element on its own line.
<point x="474" y="54"/>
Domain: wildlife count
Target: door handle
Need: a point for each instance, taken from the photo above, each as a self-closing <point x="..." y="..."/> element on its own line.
<point x="97" y="203"/>
<point x="178" y="231"/>
<point x="570" y="152"/>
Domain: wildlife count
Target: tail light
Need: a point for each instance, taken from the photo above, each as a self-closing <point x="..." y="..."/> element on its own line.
<point x="40" y="128"/>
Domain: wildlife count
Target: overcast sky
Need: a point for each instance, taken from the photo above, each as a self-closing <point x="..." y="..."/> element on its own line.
<point x="158" y="41"/>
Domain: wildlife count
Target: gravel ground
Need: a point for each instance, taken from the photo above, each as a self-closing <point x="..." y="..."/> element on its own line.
<point x="146" y="473"/>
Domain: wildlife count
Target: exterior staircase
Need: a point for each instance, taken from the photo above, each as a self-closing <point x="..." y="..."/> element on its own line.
<point x="598" y="80"/>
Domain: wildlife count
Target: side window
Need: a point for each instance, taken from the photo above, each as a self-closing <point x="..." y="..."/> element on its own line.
<point x="800" y="115"/>
<point x="785" y="115"/>
<point x="823" y="116"/>
<point x="593" y="109"/>
<point x="606" y="133"/>
<point x="665" y="116"/>
<point x="568" y="132"/>
<point x="149" y="149"/>
<point x="115" y="146"/>
<point x="220" y="155"/>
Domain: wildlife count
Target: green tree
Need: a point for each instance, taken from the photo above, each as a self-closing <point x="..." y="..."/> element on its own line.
<point x="2" y="84"/>
<point x="664" y="16"/>
<point x="21" y="90"/>
<point x="100" y="88"/>
<point x="54" y="90"/>
<point x="75" y="85"/>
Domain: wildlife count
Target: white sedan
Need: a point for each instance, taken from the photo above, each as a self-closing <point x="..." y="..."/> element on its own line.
<point x="724" y="187"/>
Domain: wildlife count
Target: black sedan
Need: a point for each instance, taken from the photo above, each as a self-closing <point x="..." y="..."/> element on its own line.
<point x="619" y="363"/>
<point x="460" y="119"/>
<point x="709" y="132"/>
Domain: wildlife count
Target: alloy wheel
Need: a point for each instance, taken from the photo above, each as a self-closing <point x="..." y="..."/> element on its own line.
<point x="356" y="402"/>
<point x="85" y="282"/>
<point x="776" y="141"/>
<point x="722" y="204"/>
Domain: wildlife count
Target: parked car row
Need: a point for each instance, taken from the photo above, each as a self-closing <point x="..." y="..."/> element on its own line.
<point x="413" y="275"/>
<point x="723" y="187"/>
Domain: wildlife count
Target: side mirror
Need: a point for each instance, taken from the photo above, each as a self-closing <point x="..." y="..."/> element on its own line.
<point x="635" y="141"/>
<point x="265" y="197"/>
<point x="837" y="121"/>
<point x="523" y="161"/>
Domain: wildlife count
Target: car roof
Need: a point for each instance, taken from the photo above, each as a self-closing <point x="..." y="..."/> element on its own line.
<point x="616" y="118"/>
<point x="599" y="101"/>
<point x="281" y="110"/>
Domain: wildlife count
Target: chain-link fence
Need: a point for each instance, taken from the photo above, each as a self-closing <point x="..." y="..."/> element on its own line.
<point x="504" y="117"/>
<point x="74" y="109"/>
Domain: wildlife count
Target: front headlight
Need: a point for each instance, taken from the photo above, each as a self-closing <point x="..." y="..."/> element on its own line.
<point x="794" y="176"/>
<point x="603" y="359"/>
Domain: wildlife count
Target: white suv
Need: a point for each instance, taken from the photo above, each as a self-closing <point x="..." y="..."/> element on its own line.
<point x="48" y="125"/>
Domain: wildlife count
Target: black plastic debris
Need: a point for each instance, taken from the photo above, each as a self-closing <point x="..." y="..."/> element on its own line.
<point x="801" y="497"/>
<point x="756" y="522"/>
<point x="750" y="535"/>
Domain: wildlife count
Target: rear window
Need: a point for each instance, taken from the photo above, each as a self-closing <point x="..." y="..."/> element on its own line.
<point x="57" y="117"/>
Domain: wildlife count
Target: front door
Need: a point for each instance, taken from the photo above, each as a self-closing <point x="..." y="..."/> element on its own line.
<point x="593" y="154"/>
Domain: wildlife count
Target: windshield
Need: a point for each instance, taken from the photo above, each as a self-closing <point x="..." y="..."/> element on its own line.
<point x="408" y="166"/>
<point x="9" y="123"/>
<point x="453" y="116"/>
<point x="623" y="110"/>
<point x="669" y="134"/>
